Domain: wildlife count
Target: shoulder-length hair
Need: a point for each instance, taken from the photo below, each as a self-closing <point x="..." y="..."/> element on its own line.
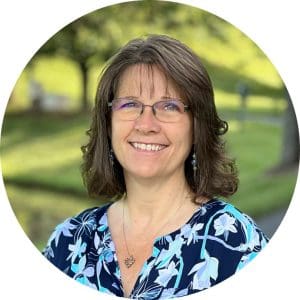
<point x="215" y="175"/>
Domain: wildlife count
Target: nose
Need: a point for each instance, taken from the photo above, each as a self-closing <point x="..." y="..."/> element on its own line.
<point x="147" y="121"/>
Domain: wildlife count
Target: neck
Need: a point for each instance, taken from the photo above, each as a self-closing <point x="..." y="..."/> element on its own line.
<point x="150" y="202"/>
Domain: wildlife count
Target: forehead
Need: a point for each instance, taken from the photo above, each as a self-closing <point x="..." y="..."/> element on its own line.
<point x="144" y="80"/>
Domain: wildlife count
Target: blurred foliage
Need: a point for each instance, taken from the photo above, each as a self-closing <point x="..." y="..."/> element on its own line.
<point x="41" y="153"/>
<point x="70" y="62"/>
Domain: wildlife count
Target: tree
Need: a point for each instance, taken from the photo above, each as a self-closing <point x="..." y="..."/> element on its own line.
<point x="290" y="147"/>
<point x="94" y="37"/>
<point x="82" y="41"/>
<point x="289" y="158"/>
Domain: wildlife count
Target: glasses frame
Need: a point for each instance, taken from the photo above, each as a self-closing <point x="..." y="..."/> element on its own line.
<point x="186" y="107"/>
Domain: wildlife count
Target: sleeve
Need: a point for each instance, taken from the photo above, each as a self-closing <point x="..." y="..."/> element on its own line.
<point x="69" y="240"/>
<point x="255" y="241"/>
<point x="232" y="240"/>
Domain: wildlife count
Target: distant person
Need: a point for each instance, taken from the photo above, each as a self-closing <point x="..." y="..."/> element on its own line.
<point x="243" y="91"/>
<point x="36" y="94"/>
<point x="155" y="148"/>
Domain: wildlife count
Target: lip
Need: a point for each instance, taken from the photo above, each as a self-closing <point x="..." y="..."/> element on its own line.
<point x="147" y="147"/>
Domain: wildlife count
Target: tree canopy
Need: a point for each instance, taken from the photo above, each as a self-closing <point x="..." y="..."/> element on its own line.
<point x="227" y="53"/>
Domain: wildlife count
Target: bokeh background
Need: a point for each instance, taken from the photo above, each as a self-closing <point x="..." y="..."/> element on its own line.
<point x="49" y="111"/>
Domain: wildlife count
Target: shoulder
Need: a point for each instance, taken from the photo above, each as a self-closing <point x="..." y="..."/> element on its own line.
<point x="84" y="223"/>
<point x="225" y="213"/>
<point x="229" y="239"/>
<point x="224" y="221"/>
<point x="74" y="232"/>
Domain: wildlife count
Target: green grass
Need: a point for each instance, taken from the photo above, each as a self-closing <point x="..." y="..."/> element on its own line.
<point x="41" y="158"/>
<point x="44" y="150"/>
<point x="40" y="155"/>
<point x="39" y="211"/>
<point x="257" y="148"/>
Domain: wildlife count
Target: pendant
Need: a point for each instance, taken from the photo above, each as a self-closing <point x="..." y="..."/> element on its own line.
<point x="129" y="261"/>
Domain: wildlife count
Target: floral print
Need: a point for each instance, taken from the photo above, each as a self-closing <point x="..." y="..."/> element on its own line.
<point x="216" y="242"/>
<point x="224" y="224"/>
<point x="204" y="271"/>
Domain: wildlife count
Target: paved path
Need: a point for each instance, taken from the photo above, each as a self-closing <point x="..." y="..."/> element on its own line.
<point x="270" y="223"/>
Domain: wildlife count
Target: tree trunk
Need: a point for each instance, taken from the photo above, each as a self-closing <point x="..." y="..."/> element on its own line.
<point x="290" y="147"/>
<point x="84" y="97"/>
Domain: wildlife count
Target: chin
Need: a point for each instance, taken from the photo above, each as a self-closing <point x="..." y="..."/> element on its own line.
<point x="145" y="173"/>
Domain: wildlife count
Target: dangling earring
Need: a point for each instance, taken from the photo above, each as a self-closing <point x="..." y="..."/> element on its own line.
<point x="194" y="164"/>
<point x="111" y="157"/>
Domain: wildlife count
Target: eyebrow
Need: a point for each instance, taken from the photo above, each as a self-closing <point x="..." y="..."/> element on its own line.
<point x="137" y="98"/>
<point x="128" y="97"/>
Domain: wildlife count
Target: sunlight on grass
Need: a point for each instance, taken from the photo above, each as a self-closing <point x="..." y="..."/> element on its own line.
<point x="268" y="76"/>
<point x="44" y="155"/>
<point x="266" y="103"/>
<point x="59" y="75"/>
<point x="254" y="103"/>
<point x="226" y="100"/>
<point x="38" y="212"/>
<point x="252" y="143"/>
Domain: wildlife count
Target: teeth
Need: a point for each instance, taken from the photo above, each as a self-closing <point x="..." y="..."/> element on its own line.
<point x="148" y="147"/>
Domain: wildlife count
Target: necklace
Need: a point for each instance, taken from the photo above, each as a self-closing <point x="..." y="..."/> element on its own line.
<point x="130" y="259"/>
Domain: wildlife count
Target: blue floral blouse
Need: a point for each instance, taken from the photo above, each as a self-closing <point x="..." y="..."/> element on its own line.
<point x="216" y="242"/>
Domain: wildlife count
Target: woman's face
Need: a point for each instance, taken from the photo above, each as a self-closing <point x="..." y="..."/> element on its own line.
<point x="147" y="147"/>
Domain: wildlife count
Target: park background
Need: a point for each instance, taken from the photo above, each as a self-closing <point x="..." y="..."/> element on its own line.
<point x="49" y="111"/>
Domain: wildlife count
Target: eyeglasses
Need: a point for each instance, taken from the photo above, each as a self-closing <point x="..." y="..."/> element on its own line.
<point x="169" y="111"/>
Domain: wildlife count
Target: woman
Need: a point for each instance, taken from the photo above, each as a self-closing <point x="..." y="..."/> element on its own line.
<point x="155" y="149"/>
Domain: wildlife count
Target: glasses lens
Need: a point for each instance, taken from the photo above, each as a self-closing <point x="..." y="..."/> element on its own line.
<point x="126" y="109"/>
<point x="169" y="111"/>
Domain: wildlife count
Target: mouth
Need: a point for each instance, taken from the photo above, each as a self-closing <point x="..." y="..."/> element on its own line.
<point x="147" y="147"/>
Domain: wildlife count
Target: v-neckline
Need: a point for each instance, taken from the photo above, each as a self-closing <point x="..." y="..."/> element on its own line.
<point x="154" y="254"/>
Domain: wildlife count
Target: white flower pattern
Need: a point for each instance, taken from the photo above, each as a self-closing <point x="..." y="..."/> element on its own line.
<point x="164" y="275"/>
<point x="204" y="271"/>
<point x="216" y="242"/>
<point x="225" y="224"/>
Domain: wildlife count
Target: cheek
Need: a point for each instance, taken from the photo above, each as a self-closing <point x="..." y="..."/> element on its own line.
<point x="182" y="138"/>
<point x="119" y="133"/>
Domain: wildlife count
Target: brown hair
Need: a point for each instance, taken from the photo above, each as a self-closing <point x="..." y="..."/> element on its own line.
<point x="216" y="174"/>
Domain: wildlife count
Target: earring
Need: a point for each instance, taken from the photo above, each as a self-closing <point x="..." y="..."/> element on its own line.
<point x="111" y="157"/>
<point x="194" y="164"/>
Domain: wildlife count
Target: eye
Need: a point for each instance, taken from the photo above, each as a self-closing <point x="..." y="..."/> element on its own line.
<point x="127" y="104"/>
<point x="171" y="106"/>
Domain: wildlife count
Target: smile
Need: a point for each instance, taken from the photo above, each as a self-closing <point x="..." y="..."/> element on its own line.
<point x="148" y="147"/>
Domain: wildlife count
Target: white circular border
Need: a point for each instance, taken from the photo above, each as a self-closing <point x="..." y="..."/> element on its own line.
<point x="25" y="26"/>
